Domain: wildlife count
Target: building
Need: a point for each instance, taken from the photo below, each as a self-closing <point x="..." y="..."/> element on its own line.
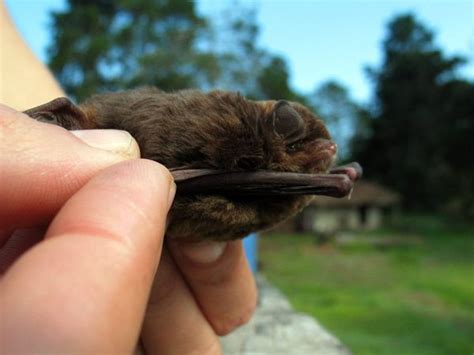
<point x="368" y="207"/>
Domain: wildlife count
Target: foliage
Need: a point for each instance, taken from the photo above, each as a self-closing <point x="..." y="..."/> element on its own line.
<point x="422" y="122"/>
<point x="108" y="45"/>
<point x="414" y="297"/>
<point x="114" y="45"/>
<point x="333" y="103"/>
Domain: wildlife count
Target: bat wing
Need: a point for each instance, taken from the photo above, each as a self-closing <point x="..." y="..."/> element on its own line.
<point x="337" y="183"/>
<point x="61" y="111"/>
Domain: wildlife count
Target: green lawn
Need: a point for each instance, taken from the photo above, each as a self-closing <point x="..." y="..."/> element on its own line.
<point x="408" y="298"/>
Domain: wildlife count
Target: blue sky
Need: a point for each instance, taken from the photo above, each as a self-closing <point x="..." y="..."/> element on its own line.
<point x="321" y="40"/>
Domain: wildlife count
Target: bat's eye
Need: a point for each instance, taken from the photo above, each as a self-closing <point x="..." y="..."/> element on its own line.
<point x="287" y="122"/>
<point x="293" y="147"/>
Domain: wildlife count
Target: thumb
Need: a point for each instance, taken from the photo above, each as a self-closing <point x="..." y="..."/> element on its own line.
<point x="42" y="165"/>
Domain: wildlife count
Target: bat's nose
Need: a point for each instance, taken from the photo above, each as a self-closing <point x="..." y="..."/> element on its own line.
<point x="332" y="147"/>
<point x="326" y="146"/>
<point x="322" y="155"/>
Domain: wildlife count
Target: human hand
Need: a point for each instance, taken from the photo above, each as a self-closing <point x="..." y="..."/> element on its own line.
<point x="85" y="269"/>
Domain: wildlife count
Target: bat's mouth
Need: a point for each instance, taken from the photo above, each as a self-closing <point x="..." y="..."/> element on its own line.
<point x="338" y="182"/>
<point x="322" y="156"/>
<point x="325" y="149"/>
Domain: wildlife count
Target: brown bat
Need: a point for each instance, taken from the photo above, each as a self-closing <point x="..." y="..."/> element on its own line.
<point x="240" y="165"/>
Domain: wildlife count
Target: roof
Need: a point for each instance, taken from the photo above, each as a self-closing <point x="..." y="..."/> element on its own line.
<point x="364" y="193"/>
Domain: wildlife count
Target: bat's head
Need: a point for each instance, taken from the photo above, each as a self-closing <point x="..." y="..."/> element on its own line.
<point x="245" y="135"/>
<point x="296" y="140"/>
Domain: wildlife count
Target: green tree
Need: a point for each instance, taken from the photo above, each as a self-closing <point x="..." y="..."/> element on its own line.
<point x="244" y="66"/>
<point x="457" y="109"/>
<point x="341" y="114"/>
<point x="415" y="116"/>
<point x="109" y="45"/>
<point x="234" y="40"/>
<point x="274" y="81"/>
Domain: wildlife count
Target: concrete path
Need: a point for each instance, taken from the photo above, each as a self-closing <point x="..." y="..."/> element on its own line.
<point x="277" y="329"/>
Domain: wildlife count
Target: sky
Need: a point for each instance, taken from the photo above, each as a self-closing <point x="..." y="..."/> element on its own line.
<point x="321" y="40"/>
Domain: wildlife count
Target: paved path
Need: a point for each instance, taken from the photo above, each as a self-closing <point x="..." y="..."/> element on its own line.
<point x="277" y="329"/>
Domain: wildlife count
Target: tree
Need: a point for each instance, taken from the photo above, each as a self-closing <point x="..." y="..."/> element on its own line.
<point x="333" y="103"/>
<point x="414" y="117"/>
<point x="457" y="109"/>
<point x="244" y="66"/>
<point x="234" y="40"/>
<point x="109" y="45"/>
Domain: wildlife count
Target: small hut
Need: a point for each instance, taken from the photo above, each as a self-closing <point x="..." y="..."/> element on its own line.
<point x="369" y="206"/>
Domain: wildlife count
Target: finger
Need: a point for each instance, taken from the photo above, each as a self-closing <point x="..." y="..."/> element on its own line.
<point x="20" y="241"/>
<point x="220" y="279"/>
<point x="42" y="165"/>
<point x="25" y="80"/>
<point x="85" y="287"/>
<point x="173" y="323"/>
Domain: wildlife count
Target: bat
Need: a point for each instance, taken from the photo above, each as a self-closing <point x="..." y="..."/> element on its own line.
<point x="240" y="165"/>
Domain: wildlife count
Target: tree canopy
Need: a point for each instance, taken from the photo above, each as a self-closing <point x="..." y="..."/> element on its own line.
<point x="110" y="45"/>
<point x="419" y="109"/>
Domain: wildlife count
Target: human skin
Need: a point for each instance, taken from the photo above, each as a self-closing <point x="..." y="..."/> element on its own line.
<point x="24" y="80"/>
<point x="90" y="283"/>
<point x="85" y="266"/>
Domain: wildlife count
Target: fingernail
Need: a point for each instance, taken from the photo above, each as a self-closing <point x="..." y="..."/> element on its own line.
<point x="112" y="140"/>
<point x="203" y="253"/>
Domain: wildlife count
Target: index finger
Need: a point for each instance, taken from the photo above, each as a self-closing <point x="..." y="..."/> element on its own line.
<point x="85" y="288"/>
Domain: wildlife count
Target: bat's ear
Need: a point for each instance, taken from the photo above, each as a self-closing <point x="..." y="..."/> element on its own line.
<point x="286" y="122"/>
<point x="61" y="112"/>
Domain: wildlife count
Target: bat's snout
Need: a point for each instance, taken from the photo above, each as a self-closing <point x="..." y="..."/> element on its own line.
<point x="326" y="145"/>
<point x="325" y="149"/>
<point x="320" y="155"/>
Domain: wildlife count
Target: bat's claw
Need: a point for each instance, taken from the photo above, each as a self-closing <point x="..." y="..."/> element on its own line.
<point x="352" y="170"/>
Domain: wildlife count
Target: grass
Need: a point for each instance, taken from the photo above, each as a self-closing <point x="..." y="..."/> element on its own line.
<point x="408" y="298"/>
